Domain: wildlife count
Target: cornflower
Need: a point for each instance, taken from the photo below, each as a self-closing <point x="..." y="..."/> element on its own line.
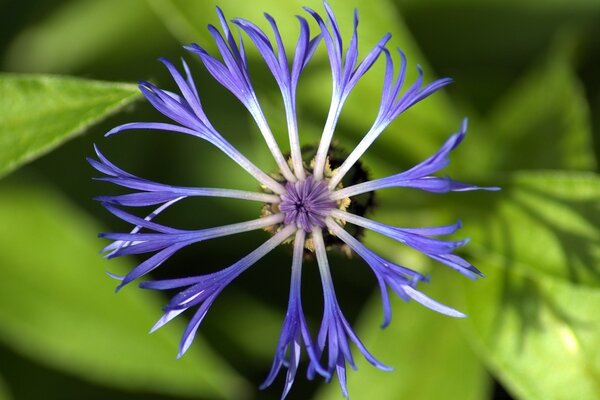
<point x="303" y="202"/>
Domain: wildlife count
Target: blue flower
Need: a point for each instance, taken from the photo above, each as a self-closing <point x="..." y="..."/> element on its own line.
<point x="307" y="198"/>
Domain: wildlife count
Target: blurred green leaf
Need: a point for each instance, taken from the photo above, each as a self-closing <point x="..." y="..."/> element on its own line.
<point x="39" y="112"/>
<point x="430" y="357"/>
<point x="79" y="33"/>
<point x="534" y="317"/>
<point x="4" y="394"/>
<point x="540" y="336"/>
<point x="58" y="307"/>
<point x="544" y="120"/>
<point x="537" y="5"/>
<point x="259" y="322"/>
<point x="187" y="20"/>
<point x="545" y="223"/>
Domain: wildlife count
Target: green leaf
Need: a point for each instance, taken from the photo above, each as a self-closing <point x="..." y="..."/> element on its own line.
<point x="545" y="223"/>
<point x="38" y="112"/>
<point x="540" y="336"/>
<point x="533" y="5"/>
<point x="260" y="323"/>
<point x="430" y="357"/>
<point x="187" y="20"/>
<point x="544" y="120"/>
<point x="103" y="29"/>
<point x="4" y="393"/>
<point x="58" y="307"/>
<point x="534" y="318"/>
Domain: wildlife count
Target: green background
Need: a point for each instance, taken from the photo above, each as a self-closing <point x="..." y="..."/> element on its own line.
<point x="526" y="74"/>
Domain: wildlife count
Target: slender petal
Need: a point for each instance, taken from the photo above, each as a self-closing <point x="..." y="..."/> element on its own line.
<point x="406" y="236"/>
<point x="436" y="249"/>
<point x="400" y="279"/>
<point x="203" y="290"/>
<point x="294" y="332"/>
<point x="392" y="105"/>
<point x="286" y="79"/>
<point x="117" y="245"/>
<point x="345" y="74"/>
<point x="158" y="193"/>
<point x="170" y="241"/>
<point x="418" y="176"/>
<point x="234" y="75"/>
<point x="432" y="304"/>
<point x="335" y="331"/>
<point x="187" y="111"/>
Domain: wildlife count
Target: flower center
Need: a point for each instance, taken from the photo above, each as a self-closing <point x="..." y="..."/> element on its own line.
<point x="306" y="203"/>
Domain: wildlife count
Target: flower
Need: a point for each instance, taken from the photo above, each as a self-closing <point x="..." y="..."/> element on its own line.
<point x="304" y="201"/>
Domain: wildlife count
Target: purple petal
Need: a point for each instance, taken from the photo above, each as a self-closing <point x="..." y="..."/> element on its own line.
<point x="187" y="88"/>
<point x="151" y="264"/>
<point x="368" y="61"/>
<point x="139" y="199"/>
<point x="145" y="223"/>
<point x="170" y="283"/>
<point x="432" y="304"/>
<point x="155" y="126"/>
<point x="190" y="331"/>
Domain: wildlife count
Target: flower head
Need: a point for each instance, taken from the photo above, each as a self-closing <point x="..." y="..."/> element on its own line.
<point x="307" y="202"/>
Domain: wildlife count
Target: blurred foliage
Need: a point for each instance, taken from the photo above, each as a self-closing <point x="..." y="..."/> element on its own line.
<point x="538" y="335"/>
<point x="39" y="112"/>
<point x="535" y="309"/>
<point x="4" y="394"/>
<point x="64" y="318"/>
<point x="76" y="36"/>
<point x="526" y="75"/>
<point x="546" y="106"/>
<point x="557" y="234"/>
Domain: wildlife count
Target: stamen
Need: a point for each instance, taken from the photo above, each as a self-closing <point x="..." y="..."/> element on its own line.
<point x="306" y="204"/>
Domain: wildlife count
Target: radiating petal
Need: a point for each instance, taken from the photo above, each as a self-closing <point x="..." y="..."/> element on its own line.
<point x="202" y="290"/>
<point x="430" y="303"/>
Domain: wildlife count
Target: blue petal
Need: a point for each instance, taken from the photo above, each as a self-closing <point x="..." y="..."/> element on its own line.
<point x="432" y="304"/>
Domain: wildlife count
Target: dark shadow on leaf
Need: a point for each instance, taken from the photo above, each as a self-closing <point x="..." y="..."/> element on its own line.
<point x="516" y="293"/>
<point x="581" y="251"/>
<point x="522" y="293"/>
<point x="525" y="296"/>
